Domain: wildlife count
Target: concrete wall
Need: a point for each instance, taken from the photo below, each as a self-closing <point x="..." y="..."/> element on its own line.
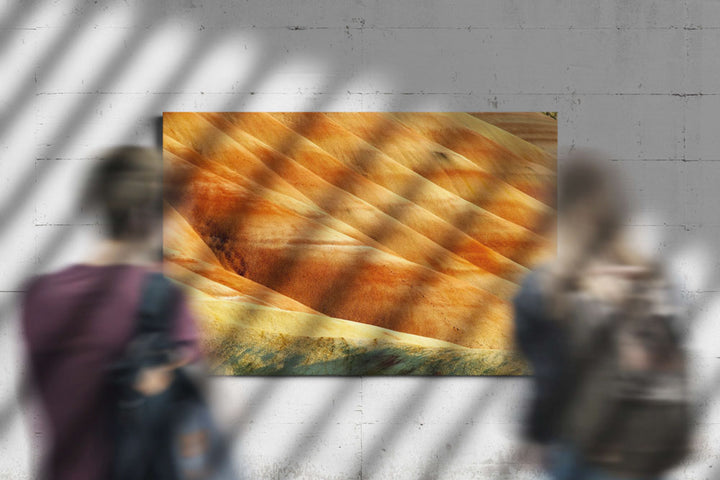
<point x="640" y="80"/>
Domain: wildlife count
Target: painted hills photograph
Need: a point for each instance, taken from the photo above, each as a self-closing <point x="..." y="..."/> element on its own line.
<point x="359" y="243"/>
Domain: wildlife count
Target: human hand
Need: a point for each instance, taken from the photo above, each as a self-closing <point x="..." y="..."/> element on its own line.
<point x="154" y="380"/>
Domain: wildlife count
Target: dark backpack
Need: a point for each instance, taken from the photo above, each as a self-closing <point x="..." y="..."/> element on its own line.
<point x="629" y="409"/>
<point x="169" y="436"/>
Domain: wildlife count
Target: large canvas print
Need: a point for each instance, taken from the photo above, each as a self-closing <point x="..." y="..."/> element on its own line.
<point x="359" y="243"/>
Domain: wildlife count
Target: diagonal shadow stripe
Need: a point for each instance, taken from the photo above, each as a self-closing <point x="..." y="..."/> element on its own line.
<point x="419" y="394"/>
<point x="114" y="65"/>
<point x="323" y="419"/>
<point x="287" y="263"/>
<point x="434" y="471"/>
<point x="417" y="397"/>
<point x="13" y="18"/>
<point x="47" y="63"/>
<point x="61" y="238"/>
<point x="174" y="81"/>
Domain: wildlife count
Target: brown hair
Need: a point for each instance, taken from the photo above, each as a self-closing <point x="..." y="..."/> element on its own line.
<point x="126" y="185"/>
<point x="591" y="208"/>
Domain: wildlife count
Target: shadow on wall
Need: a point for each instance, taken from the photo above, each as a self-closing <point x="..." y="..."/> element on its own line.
<point x="341" y="74"/>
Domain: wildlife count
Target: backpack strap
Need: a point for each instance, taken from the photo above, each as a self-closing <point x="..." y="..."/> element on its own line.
<point x="157" y="305"/>
<point x="152" y="341"/>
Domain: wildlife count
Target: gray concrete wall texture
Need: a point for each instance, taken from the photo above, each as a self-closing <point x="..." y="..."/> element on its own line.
<point x="639" y="80"/>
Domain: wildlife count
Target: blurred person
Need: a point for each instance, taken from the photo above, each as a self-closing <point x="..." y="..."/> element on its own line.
<point x="80" y="320"/>
<point x="600" y="328"/>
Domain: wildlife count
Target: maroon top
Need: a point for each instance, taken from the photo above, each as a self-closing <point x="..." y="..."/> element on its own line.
<point x="77" y="322"/>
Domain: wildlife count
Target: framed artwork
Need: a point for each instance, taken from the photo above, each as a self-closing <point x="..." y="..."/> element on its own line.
<point x="359" y="243"/>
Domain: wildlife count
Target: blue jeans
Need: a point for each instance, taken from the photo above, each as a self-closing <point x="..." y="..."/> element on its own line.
<point x="567" y="464"/>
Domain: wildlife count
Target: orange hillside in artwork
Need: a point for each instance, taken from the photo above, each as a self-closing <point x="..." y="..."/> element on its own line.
<point x="359" y="243"/>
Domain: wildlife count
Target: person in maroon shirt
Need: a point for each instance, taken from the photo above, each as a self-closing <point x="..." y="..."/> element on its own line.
<point x="79" y="320"/>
